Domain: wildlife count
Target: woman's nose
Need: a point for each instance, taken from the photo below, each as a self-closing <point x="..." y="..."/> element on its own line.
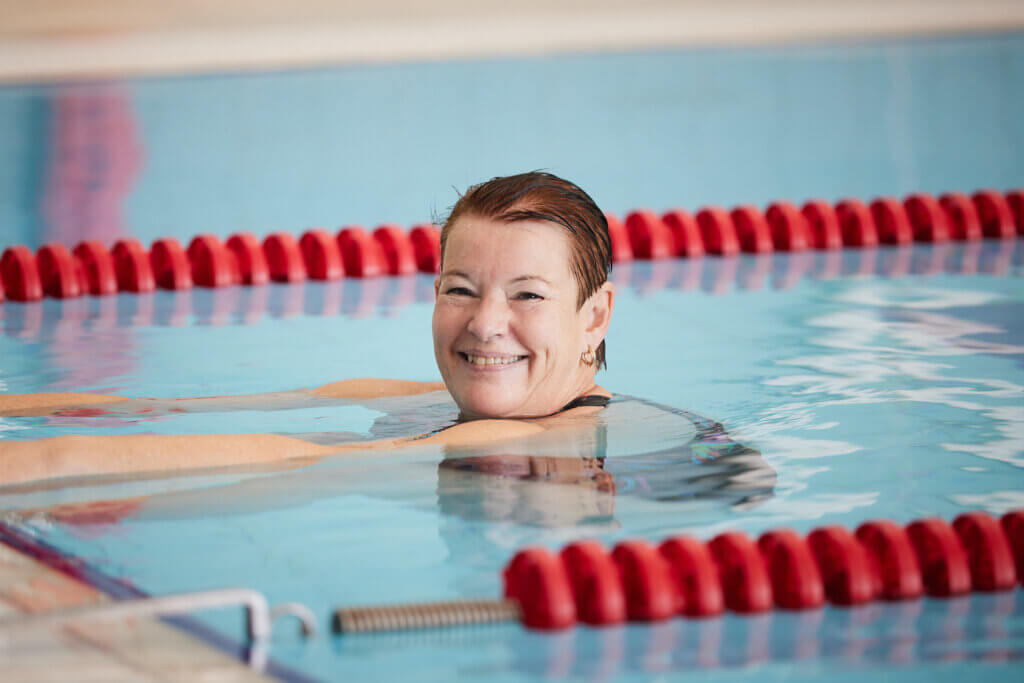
<point x="490" y="319"/>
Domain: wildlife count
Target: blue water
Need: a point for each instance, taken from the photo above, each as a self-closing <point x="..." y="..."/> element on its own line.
<point x="886" y="383"/>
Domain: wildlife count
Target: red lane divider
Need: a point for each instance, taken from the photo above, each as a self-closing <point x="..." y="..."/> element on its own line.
<point x="131" y="263"/>
<point x="1015" y="199"/>
<point x="20" y="274"/>
<point x="211" y="263"/>
<point x="426" y="245"/>
<point x="927" y="217"/>
<point x="789" y="228"/>
<point x="622" y="250"/>
<point x="284" y="258"/>
<point x="752" y="228"/>
<point x="97" y="265"/>
<point x="398" y="251"/>
<point x="856" y="224"/>
<point x="321" y="255"/>
<point x="823" y="223"/>
<point x="849" y="577"/>
<point x="685" y="233"/>
<point x="171" y="267"/>
<point x="58" y="272"/>
<point x="718" y="231"/>
<point x="649" y="237"/>
<point x="995" y="214"/>
<point x="962" y="213"/>
<point x="362" y="255"/>
<point x="597" y="590"/>
<point x="249" y="258"/>
<point x="891" y="221"/>
<point x="684" y="576"/>
<point x="354" y="252"/>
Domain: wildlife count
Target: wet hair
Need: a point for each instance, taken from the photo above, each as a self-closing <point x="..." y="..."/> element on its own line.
<point x="539" y="196"/>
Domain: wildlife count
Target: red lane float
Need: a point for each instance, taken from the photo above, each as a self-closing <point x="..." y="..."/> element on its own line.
<point x="988" y="552"/>
<point x="171" y="268"/>
<point x="646" y="581"/>
<point x="243" y="260"/>
<point x="249" y="259"/>
<point x="426" y="245"/>
<point x="718" y="231"/>
<point x="696" y="576"/>
<point x="596" y="585"/>
<point x="898" y="570"/>
<point x="398" y="251"/>
<point x="792" y="569"/>
<point x="891" y="221"/>
<point x="284" y="258"/>
<point x="1015" y="200"/>
<point x="58" y="272"/>
<point x="995" y="214"/>
<point x="1013" y="527"/>
<point x="621" y="249"/>
<point x="943" y="562"/>
<point x="686" y="576"/>
<point x="962" y="215"/>
<point x="133" y="268"/>
<point x="97" y="267"/>
<point x="685" y="233"/>
<point x="20" y="274"/>
<point x="321" y="255"/>
<point x="212" y="264"/>
<point x="848" y="574"/>
<point x="789" y="228"/>
<point x="362" y="255"/>
<point x="856" y="224"/>
<point x="537" y="580"/>
<point x="752" y="229"/>
<point x="823" y="224"/>
<point x="927" y="218"/>
<point x="742" y="572"/>
<point x="649" y="237"/>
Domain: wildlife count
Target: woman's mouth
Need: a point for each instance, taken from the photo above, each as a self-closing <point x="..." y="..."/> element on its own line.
<point x="489" y="361"/>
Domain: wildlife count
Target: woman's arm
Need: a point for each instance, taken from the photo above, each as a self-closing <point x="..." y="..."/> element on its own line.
<point x="86" y="405"/>
<point x="75" y="456"/>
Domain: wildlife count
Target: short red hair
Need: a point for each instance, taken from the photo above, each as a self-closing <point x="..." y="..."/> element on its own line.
<point x="538" y="196"/>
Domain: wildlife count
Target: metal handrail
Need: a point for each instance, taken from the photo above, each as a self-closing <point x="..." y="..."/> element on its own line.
<point x="259" y="616"/>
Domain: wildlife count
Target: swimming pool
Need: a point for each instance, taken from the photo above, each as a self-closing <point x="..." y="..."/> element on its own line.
<point x="874" y="383"/>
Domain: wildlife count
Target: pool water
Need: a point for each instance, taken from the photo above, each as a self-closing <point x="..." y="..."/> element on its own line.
<point x="866" y="396"/>
<point x="861" y="384"/>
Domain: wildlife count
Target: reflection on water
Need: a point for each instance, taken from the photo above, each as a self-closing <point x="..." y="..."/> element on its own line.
<point x="567" y="476"/>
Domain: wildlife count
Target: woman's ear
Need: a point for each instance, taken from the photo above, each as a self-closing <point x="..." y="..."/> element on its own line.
<point x="598" y="312"/>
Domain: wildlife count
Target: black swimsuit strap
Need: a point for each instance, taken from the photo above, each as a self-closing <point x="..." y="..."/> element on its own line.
<point x="594" y="400"/>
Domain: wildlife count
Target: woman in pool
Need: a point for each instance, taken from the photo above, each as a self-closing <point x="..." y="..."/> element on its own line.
<point x="522" y="309"/>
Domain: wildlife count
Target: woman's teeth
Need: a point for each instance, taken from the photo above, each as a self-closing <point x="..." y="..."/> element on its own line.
<point x="490" y="360"/>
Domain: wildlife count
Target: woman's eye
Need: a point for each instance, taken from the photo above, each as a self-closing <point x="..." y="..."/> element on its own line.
<point x="458" y="291"/>
<point x="528" y="296"/>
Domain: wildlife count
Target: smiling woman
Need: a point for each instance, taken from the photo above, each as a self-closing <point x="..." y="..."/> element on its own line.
<point x="523" y="299"/>
<point x="522" y="308"/>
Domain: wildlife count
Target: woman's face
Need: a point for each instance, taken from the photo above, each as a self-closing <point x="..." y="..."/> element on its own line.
<point x="507" y="333"/>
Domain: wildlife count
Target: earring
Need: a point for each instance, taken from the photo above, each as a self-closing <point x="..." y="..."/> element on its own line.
<point x="588" y="357"/>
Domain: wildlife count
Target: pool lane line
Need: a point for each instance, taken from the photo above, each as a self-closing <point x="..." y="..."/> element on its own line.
<point x="90" y="268"/>
<point x="80" y="570"/>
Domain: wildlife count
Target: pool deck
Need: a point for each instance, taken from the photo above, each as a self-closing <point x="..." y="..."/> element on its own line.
<point x="76" y="39"/>
<point x="130" y="650"/>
